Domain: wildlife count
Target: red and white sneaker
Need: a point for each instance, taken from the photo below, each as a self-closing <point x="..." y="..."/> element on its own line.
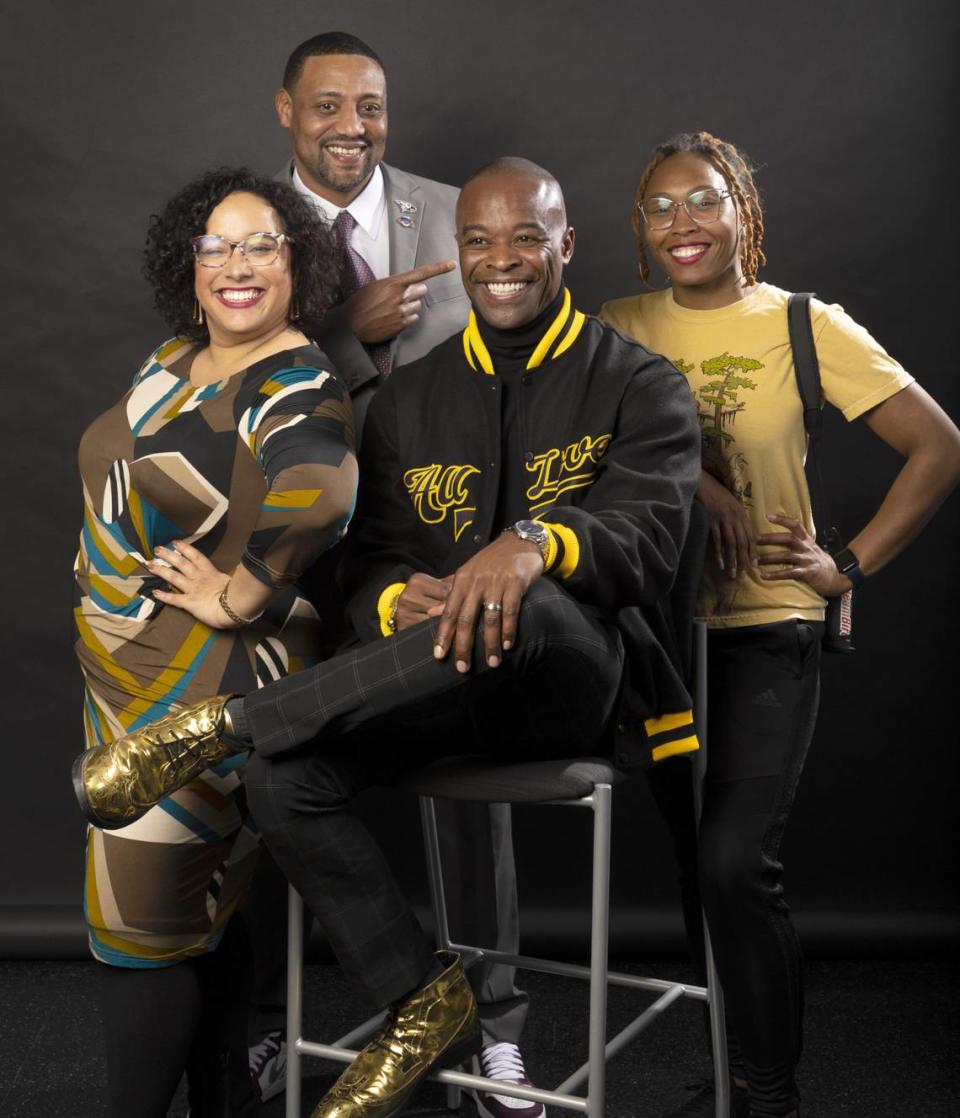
<point x="268" y="1065"/>
<point x="503" y="1061"/>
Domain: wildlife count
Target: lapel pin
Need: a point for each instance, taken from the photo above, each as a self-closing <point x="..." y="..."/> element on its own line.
<point x="404" y="206"/>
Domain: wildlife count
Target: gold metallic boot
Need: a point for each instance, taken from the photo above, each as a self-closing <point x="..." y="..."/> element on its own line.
<point x="437" y="1025"/>
<point x="117" y="783"/>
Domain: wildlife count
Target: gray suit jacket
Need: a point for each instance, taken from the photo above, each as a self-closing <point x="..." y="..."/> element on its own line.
<point x="426" y="234"/>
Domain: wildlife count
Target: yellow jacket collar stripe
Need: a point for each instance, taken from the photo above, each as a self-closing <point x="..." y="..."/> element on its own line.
<point x="477" y="353"/>
<point x="543" y="347"/>
<point x="571" y="335"/>
<point x="473" y="345"/>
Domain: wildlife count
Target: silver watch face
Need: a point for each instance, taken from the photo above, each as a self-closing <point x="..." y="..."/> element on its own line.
<point x="531" y="530"/>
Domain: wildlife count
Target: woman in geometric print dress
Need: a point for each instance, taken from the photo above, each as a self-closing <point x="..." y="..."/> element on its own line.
<point x="229" y="457"/>
<point x="698" y="218"/>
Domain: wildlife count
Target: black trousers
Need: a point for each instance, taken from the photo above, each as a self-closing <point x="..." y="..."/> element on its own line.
<point x="479" y="878"/>
<point x="762" y="704"/>
<point x="372" y="714"/>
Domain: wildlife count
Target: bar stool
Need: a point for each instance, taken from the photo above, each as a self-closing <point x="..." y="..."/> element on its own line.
<point x="583" y="783"/>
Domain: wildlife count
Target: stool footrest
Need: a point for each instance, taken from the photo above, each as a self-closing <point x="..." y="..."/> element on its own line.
<point x="455" y="1078"/>
<point x="574" y="970"/>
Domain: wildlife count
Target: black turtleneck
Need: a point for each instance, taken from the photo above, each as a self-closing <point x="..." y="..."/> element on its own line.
<point x="510" y="351"/>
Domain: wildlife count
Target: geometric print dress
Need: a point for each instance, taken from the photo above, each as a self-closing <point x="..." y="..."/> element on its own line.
<point x="244" y="469"/>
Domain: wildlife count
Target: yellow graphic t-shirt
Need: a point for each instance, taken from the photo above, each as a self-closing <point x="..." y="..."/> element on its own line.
<point x="738" y="364"/>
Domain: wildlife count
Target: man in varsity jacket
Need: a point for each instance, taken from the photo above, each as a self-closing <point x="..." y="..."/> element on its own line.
<point x="526" y="489"/>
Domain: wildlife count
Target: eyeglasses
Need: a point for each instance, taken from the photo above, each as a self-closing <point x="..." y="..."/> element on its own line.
<point x="702" y="206"/>
<point x="260" y="249"/>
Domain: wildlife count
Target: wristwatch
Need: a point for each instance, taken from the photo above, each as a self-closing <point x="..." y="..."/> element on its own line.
<point x="848" y="564"/>
<point x="532" y="530"/>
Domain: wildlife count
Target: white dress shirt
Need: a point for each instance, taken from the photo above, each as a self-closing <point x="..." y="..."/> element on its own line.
<point x="371" y="236"/>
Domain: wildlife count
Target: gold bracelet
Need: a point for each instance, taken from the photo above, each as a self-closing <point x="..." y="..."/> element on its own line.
<point x="235" y="617"/>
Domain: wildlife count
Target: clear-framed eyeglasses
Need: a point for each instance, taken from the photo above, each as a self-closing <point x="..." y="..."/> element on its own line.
<point x="213" y="251"/>
<point x="702" y="206"/>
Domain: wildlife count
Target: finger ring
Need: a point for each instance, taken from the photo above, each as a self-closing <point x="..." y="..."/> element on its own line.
<point x="493" y="607"/>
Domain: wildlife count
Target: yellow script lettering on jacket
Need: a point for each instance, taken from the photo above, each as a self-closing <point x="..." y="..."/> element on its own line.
<point x="437" y="489"/>
<point x="558" y="470"/>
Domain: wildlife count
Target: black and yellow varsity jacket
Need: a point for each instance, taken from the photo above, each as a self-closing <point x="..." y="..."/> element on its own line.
<point x="611" y="466"/>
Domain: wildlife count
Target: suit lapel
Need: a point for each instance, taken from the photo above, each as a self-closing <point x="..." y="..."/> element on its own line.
<point x="405" y="210"/>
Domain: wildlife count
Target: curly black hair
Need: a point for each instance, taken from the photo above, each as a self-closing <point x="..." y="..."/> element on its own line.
<point x="168" y="262"/>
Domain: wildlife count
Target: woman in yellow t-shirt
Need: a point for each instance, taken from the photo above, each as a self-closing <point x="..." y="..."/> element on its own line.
<point x="698" y="218"/>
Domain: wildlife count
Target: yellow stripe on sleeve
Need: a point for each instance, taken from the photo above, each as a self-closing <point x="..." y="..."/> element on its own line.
<point x="665" y="722"/>
<point x="675" y="748"/>
<point x="385" y="605"/>
<point x="571" y="550"/>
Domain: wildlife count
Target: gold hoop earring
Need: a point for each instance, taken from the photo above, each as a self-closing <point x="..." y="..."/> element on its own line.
<point x="197" y="313"/>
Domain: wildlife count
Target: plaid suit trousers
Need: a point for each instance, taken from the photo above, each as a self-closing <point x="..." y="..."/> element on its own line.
<point x="375" y="713"/>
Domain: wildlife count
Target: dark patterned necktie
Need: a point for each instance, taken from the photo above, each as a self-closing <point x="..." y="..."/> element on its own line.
<point x="355" y="273"/>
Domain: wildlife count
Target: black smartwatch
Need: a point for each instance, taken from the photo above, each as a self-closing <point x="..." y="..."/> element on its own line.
<point x="848" y="564"/>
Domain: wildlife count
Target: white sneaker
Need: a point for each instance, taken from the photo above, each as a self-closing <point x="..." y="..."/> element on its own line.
<point x="503" y="1061"/>
<point x="268" y="1065"/>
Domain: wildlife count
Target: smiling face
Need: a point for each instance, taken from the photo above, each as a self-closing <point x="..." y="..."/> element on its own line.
<point x="242" y="302"/>
<point x="702" y="261"/>
<point x="337" y="116"/>
<point x="514" y="242"/>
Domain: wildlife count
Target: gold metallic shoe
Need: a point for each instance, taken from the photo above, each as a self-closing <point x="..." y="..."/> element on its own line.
<point x="117" y="783"/>
<point x="437" y="1025"/>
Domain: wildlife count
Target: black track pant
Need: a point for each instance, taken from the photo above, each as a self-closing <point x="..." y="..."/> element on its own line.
<point x="374" y="713"/>
<point x="762" y="704"/>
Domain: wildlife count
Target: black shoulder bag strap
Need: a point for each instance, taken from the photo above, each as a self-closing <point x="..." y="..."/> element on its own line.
<point x="838" y="635"/>
<point x="806" y="368"/>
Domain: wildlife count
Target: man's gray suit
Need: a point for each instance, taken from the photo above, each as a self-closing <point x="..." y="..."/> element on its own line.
<point x="420" y="217"/>
<point x="476" y="838"/>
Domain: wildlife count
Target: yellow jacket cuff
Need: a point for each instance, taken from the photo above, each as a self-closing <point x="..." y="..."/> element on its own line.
<point x="386" y="607"/>
<point x="563" y="550"/>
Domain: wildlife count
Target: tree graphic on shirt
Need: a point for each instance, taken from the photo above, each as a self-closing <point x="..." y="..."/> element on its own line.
<point x="718" y="405"/>
<point x="721" y="394"/>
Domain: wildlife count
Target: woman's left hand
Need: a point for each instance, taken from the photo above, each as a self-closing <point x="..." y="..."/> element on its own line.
<point x="801" y="556"/>
<point x="197" y="581"/>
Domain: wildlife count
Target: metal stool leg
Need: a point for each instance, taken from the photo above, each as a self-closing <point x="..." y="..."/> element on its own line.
<point x="718" y="1028"/>
<point x="438" y="901"/>
<point x="599" y="939"/>
<point x="294" y="1000"/>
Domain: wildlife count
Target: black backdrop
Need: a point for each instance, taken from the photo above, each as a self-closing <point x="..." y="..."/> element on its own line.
<point x="110" y="106"/>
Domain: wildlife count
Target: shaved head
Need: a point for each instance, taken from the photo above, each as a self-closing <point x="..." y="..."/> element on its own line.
<point x="514" y="241"/>
<point x="547" y="187"/>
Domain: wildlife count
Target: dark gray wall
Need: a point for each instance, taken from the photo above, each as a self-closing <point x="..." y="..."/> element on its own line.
<point x="108" y="107"/>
